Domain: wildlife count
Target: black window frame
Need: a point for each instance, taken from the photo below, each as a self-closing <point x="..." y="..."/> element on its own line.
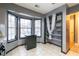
<point x="40" y="28"/>
<point x="18" y="33"/>
<point x="20" y="27"/>
<point x="16" y="37"/>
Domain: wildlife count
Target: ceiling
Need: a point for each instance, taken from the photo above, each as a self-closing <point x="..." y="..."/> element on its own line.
<point x="42" y="8"/>
<point x="71" y="4"/>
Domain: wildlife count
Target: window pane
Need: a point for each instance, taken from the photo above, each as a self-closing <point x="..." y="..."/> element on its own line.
<point x="11" y="36"/>
<point x="25" y="27"/>
<point x="25" y="23"/>
<point x="38" y="27"/>
<point x="37" y="23"/>
<point x="11" y="27"/>
<point x="38" y="32"/>
<point x="22" y="33"/>
<point x="28" y="32"/>
<point x="11" y="20"/>
<point x="12" y="30"/>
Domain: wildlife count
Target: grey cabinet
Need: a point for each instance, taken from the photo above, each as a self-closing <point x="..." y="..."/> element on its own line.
<point x="30" y="42"/>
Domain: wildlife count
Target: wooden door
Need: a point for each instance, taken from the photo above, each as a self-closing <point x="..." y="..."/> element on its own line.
<point x="72" y="31"/>
<point x="67" y="32"/>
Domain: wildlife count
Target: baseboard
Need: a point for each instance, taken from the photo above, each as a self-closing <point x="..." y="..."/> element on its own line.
<point x="65" y="52"/>
<point x="59" y="46"/>
<point x="21" y="45"/>
<point x="11" y="49"/>
<point x="53" y="44"/>
<point x="41" y="42"/>
<point x="14" y="48"/>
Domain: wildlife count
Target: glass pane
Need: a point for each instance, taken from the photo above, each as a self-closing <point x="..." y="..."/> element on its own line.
<point x="11" y="27"/>
<point x="11" y="21"/>
<point x="12" y="30"/>
<point x="25" y="26"/>
<point x="38" y="27"/>
<point x="25" y="23"/>
<point x="12" y="33"/>
<point x="37" y="32"/>
<point x="28" y="32"/>
<point x="37" y="23"/>
<point x="25" y="32"/>
<point x="11" y="36"/>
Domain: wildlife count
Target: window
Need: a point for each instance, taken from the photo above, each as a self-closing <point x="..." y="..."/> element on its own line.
<point x="25" y="27"/>
<point x="38" y="27"/>
<point x="11" y="27"/>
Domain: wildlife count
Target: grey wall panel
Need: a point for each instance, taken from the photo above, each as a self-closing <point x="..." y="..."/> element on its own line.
<point x="12" y="45"/>
<point x="2" y="20"/>
<point x="21" y="41"/>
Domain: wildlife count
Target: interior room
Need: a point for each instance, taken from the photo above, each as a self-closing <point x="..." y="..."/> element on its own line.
<point x="39" y="29"/>
<point x="73" y="29"/>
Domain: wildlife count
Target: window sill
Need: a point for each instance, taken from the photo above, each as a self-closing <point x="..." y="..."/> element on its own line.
<point x="10" y="41"/>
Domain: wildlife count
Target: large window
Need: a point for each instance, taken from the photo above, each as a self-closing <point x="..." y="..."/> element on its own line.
<point x="25" y="27"/>
<point x="17" y="26"/>
<point x="11" y="28"/>
<point x="38" y="27"/>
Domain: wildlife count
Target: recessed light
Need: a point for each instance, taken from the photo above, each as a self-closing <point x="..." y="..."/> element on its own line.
<point x="52" y="3"/>
<point x="37" y="6"/>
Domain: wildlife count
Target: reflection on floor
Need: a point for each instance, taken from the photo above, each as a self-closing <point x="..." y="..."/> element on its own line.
<point x="41" y="50"/>
<point x="74" y="51"/>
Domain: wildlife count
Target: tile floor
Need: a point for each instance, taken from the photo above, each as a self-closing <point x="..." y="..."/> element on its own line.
<point x="40" y="50"/>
